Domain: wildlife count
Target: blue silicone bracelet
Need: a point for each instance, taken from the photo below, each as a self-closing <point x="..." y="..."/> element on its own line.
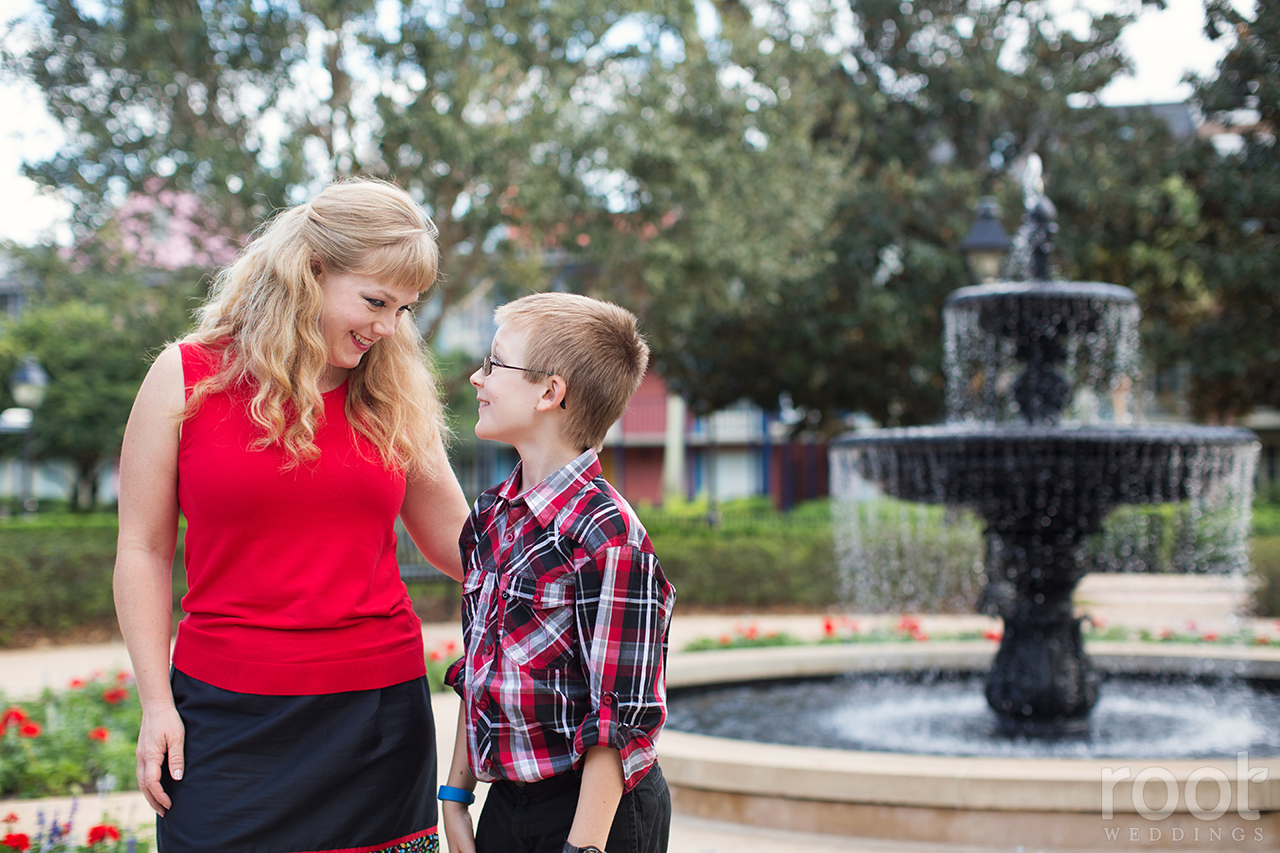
<point x="457" y="795"/>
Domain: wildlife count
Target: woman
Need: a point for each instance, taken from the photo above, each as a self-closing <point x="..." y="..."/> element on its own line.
<point x="290" y="429"/>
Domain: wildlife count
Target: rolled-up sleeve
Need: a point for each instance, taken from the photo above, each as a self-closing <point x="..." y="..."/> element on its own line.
<point x="623" y="610"/>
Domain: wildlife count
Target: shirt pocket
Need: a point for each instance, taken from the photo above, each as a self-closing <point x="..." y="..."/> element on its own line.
<point x="538" y="630"/>
<point x="473" y="586"/>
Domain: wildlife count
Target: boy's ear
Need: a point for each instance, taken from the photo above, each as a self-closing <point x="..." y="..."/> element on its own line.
<point x="553" y="394"/>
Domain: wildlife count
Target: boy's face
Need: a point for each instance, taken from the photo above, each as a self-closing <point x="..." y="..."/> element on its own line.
<point x="507" y="400"/>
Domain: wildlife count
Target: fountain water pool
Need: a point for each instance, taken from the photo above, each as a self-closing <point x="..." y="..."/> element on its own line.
<point x="1229" y="802"/>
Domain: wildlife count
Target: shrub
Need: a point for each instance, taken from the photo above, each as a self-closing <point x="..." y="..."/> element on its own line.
<point x="1265" y="559"/>
<point x="55" y="577"/>
<point x="1266" y="519"/>
<point x="749" y="555"/>
<point x="73" y="741"/>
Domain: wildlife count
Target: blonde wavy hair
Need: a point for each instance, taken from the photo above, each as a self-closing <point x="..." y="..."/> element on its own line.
<point x="263" y="316"/>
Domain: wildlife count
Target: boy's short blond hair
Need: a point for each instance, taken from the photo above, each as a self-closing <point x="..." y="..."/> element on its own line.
<point x="593" y="345"/>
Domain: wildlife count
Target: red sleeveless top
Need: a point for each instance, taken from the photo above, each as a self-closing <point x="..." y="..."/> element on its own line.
<point x="294" y="585"/>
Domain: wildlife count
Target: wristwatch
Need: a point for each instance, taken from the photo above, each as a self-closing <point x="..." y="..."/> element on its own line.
<point x="590" y="848"/>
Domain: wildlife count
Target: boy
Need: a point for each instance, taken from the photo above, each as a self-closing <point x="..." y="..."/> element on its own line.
<point x="565" y="608"/>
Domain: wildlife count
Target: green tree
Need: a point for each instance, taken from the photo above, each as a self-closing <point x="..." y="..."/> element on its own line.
<point x="804" y="227"/>
<point x="94" y="333"/>
<point x="1236" y="362"/>
<point x="485" y="111"/>
<point x="199" y="92"/>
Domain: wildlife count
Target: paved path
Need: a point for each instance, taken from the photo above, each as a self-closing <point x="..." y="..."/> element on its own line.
<point x="1136" y="601"/>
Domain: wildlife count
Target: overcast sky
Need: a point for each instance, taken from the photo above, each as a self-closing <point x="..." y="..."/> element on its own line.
<point x="1165" y="45"/>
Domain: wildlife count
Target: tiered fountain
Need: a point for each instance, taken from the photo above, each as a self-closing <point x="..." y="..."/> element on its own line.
<point x="1041" y="452"/>
<point x="1040" y="444"/>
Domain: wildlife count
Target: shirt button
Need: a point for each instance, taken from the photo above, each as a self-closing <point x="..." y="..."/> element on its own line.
<point x="608" y="700"/>
<point x="506" y="596"/>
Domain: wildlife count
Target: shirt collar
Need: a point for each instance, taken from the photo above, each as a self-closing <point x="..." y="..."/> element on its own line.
<point x="546" y="499"/>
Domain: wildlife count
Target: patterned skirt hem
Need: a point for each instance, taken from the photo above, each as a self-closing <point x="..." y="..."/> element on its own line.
<point x="426" y="841"/>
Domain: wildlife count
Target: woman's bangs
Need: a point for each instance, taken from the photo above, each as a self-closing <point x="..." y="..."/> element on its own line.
<point x="410" y="264"/>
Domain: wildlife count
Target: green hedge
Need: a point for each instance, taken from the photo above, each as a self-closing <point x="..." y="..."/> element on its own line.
<point x="55" y="572"/>
<point x="1264" y="557"/>
<point x="55" y="577"/>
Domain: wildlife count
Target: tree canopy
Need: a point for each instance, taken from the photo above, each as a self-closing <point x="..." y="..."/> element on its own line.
<point x="1236" y="363"/>
<point x="94" y="331"/>
<point x="781" y="190"/>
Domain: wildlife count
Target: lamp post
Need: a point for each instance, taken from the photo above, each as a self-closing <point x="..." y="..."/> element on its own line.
<point x="985" y="245"/>
<point x="28" y="384"/>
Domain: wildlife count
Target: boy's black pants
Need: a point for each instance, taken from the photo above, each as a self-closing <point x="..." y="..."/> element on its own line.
<point x="535" y="817"/>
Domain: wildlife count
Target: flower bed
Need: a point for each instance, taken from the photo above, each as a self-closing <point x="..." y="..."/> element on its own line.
<point x="908" y="629"/>
<point x="73" y="741"/>
<point x="54" y="835"/>
<point x="81" y="739"/>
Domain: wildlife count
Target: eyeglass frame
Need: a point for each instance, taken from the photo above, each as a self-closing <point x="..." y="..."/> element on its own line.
<point x="489" y="363"/>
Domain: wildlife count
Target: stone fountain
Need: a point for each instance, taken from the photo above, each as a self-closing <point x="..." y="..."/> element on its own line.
<point x="1045" y="468"/>
<point x="1041" y="445"/>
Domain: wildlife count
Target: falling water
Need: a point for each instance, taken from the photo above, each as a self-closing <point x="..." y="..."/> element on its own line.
<point x="1042" y="473"/>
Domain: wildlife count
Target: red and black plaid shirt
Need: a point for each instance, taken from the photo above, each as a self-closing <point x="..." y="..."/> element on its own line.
<point x="565" y="612"/>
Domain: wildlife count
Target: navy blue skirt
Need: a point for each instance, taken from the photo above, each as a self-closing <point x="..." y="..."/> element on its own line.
<point x="352" y="772"/>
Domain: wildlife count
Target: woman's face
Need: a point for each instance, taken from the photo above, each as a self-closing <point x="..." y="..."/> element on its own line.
<point x="359" y="311"/>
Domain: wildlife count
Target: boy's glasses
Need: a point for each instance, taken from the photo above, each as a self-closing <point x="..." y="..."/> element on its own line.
<point x="490" y="363"/>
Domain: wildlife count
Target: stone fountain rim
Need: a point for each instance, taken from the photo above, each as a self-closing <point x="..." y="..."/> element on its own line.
<point x="1014" y="434"/>
<point x="1050" y="289"/>
<point x="702" y="767"/>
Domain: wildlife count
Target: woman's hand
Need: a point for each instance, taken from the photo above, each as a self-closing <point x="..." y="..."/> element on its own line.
<point x="458" y="828"/>
<point x="161" y="738"/>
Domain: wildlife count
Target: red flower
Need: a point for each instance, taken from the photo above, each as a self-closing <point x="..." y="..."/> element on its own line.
<point x="1262" y="641"/>
<point x="76" y="683"/>
<point x="115" y="695"/>
<point x="102" y="832"/>
<point x="919" y="636"/>
<point x="828" y="627"/>
<point x="100" y="733"/>
<point x="437" y="655"/>
<point x="11" y="817"/>
<point x="122" y="677"/>
<point x="1166" y="634"/>
<point x="30" y="730"/>
<point x="908" y="625"/>
<point x="1209" y="636"/>
<point x="14" y="716"/>
<point x="993" y="634"/>
<point x="16" y="841"/>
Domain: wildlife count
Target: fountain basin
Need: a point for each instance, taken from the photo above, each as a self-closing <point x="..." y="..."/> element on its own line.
<point x="1041" y="491"/>
<point x="966" y="800"/>
<point x="1004" y="471"/>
